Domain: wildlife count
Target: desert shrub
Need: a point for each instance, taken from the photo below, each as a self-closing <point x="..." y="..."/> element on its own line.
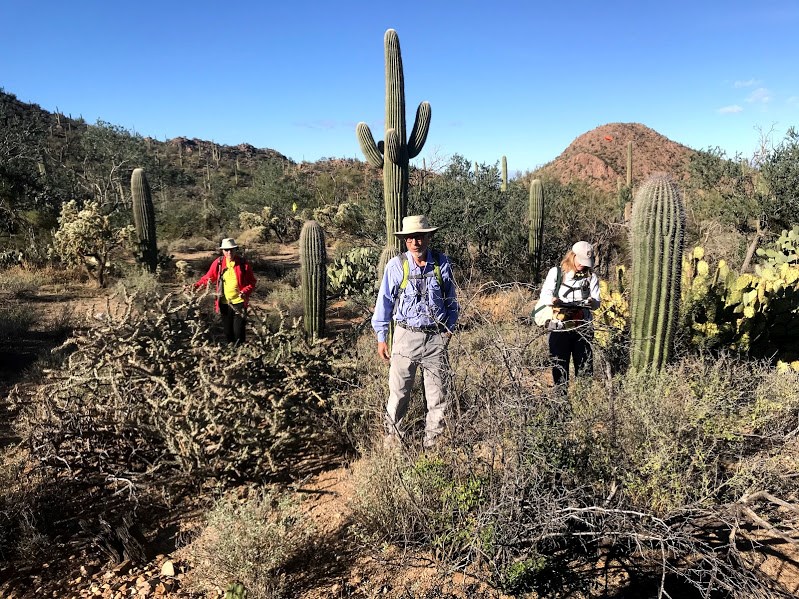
<point x="87" y="237"/>
<point x="152" y="386"/>
<point x="193" y="244"/>
<point x="249" y="541"/>
<point x="252" y="235"/>
<point x="21" y="505"/>
<point x="532" y="484"/>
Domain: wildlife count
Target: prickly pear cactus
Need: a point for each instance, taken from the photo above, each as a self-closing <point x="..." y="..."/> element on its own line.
<point x="313" y="275"/>
<point x="144" y="218"/>
<point x="785" y="249"/>
<point x="393" y="154"/>
<point x="754" y="314"/>
<point x="658" y="225"/>
<point x="536" y="232"/>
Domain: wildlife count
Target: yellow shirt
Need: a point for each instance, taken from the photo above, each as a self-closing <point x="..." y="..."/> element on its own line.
<point x="230" y="286"/>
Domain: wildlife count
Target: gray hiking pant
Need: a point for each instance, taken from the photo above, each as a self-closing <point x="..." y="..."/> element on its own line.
<point x="411" y="349"/>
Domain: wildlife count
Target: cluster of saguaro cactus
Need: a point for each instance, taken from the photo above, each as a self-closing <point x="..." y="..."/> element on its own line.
<point x="313" y="275"/>
<point x="536" y="232"/>
<point x="503" y="186"/>
<point x="393" y="153"/>
<point x="658" y="224"/>
<point x="144" y="218"/>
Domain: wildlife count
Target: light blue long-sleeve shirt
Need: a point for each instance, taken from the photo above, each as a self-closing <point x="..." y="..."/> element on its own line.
<point x="422" y="303"/>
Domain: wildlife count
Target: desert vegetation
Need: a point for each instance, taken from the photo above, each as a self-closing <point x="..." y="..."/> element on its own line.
<point x="132" y="436"/>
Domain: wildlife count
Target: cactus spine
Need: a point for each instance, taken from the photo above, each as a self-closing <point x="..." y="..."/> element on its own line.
<point x="144" y="218"/>
<point x="658" y="225"/>
<point x="503" y="186"/>
<point x="313" y="275"/>
<point x="536" y="208"/>
<point x="393" y="154"/>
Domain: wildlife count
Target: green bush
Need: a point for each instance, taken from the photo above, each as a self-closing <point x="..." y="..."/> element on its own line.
<point x="249" y="541"/>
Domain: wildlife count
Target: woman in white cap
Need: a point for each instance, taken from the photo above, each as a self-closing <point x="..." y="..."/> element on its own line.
<point x="572" y="289"/>
<point x="235" y="281"/>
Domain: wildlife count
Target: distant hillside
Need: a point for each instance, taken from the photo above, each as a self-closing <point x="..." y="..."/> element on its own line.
<point x="599" y="156"/>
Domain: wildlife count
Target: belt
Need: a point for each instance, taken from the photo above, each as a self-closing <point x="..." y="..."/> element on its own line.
<point x="433" y="328"/>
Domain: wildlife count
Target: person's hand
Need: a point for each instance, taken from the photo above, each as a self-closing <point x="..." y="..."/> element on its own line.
<point x="554" y="325"/>
<point x="382" y="351"/>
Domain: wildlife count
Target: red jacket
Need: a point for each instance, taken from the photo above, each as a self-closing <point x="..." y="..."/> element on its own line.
<point x="244" y="277"/>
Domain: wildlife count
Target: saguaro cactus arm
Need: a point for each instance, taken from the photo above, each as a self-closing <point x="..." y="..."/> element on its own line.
<point x="368" y="146"/>
<point x="421" y="126"/>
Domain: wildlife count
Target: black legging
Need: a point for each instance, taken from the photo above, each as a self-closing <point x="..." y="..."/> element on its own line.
<point x="234" y="322"/>
<point x="574" y="344"/>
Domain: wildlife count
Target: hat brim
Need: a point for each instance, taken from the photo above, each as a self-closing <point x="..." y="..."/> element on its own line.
<point x="588" y="263"/>
<point x="230" y="247"/>
<point x="416" y="232"/>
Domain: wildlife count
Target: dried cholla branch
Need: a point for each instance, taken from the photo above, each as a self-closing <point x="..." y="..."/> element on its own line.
<point x="150" y="387"/>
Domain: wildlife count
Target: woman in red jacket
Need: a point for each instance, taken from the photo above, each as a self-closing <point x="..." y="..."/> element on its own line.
<point x="234" y="281"/>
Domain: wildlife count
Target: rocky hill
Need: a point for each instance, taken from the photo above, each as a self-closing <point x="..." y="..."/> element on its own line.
<point x="599" y="157"/>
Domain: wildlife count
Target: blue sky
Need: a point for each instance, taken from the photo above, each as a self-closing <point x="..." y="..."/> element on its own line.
<point x="515" y="78"/>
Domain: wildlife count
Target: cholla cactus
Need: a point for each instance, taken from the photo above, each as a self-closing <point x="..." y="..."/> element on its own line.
<point x="86" y="237"/>
<point x="313" y="273"/>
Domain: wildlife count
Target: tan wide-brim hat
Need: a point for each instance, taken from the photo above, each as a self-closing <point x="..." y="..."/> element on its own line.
<point x="415" y="224"/>
<point x="228" y="243"/>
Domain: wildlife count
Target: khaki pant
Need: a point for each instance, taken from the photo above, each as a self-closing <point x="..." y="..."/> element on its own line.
<point x="411" y="349"/>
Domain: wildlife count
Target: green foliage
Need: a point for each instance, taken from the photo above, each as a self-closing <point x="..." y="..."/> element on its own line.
<point x="353" y="274"/>
<point x="86" y="237"/>
<point x="658" y="223"/>
<point x="780" y="171"/>
<point x="313" y="274"/>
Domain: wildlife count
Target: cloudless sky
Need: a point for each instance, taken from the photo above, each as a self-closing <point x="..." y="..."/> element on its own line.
<point x="520" y="78"/>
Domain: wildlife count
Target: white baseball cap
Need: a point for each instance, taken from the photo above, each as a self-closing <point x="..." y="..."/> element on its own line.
<point x="583" y="254"/>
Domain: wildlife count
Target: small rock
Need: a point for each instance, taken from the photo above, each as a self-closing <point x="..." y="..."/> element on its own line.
<point x="168" y="568"/>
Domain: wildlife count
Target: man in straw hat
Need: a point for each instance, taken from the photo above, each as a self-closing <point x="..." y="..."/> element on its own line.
<point x="417" y="292"/>
<point x="235" y="281"/>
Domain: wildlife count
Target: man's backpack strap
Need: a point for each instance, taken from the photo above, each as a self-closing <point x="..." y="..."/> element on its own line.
<point x="406" y="271"/>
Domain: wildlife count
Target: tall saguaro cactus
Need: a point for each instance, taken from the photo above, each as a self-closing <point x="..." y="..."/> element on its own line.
<point x="313" y="276"/>
<point x="536" y="234"/>
<point x="503" y="186"/>
<point x="658" y="225"/>
<point x="144" y="218"/>
<point x="393" y="153"/>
